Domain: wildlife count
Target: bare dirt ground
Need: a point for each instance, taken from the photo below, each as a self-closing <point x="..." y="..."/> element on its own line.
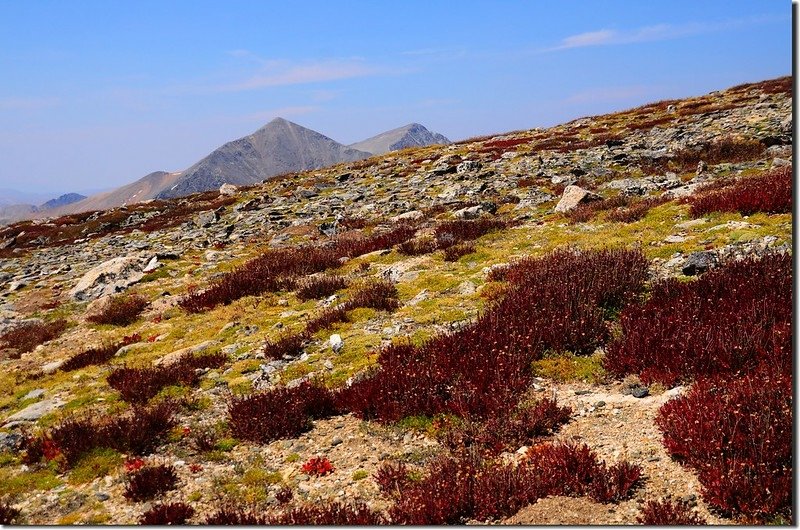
<point x="616" y="426"/>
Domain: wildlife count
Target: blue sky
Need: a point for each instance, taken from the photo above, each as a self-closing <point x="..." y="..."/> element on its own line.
<point x="98" y="94"/>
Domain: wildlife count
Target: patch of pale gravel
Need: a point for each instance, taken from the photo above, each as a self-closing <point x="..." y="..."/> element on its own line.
<point x="616" y="426"/>
<point x="349" y="443"/>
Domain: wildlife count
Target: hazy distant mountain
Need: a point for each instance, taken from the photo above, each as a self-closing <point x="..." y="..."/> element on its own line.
<point x="411" y="135"/>
<point x="11" y="212"/>
<point x="143" y="189"/>
<point x="16" y="212"/>
<point x="67" y="198"/>
<point x="15" y="197"/>
<point x="279" y="147"/>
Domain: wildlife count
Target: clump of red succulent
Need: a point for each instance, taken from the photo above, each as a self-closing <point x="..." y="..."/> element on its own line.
<point x="318" y="466"/>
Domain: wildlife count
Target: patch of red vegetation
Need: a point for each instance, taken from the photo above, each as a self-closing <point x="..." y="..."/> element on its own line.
<point x="770" y="192"/>
<point x="173" y="513"/>
<point x="669" y="512"/>
<point x="28" y="335"/>
<point x="149" y="482"/>
<point x="279" y="413"/>
<point x="736" y="432"/>
<point x="557" y="302"/>
<point x="726" y="322"/>
<point x="458" y="488"/>
<point x="138" y="385"/>
<point x="138" y="432"/>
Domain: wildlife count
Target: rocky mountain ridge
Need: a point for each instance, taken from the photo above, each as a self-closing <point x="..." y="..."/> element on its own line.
<point x="535" y="187"/>
<point x="411" y="135"/>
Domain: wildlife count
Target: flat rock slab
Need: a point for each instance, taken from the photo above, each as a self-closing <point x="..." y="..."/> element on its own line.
<point x="35" y="411"/>
<point x="573" y="196"/>
<point x="112" y="276"/>
<point x="34" y="394"/>
<point x="175" y="355"/>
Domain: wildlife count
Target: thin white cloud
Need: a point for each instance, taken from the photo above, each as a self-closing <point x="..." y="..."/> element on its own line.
<point x="591" y="38"/>
<point x="658" y="32"/>
<point x="28" y="103"/>
<point x="435" y="53"/>
<point x="283" y="73"/>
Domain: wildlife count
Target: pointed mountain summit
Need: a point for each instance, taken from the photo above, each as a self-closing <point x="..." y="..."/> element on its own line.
<point x="279" y="147"/>
<point x="411" y="135"/>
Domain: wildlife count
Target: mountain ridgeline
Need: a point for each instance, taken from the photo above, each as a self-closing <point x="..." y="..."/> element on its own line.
<point x="279" y="147"/>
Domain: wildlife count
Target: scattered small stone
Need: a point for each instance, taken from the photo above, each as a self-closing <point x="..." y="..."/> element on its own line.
<point x="690" y="499"/>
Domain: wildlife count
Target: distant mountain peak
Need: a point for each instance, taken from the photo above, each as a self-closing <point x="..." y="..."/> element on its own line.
<point x="63" y="200"/>
<point x="278" y="147"/>
<point x="411" y="135"/>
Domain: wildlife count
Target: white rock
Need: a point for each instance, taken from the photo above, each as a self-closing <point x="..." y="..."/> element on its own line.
<point x="228" y="189"/>
<point x="336" y="342"/>
<point x="152" y="265"/>
<point x="51" y="367"/>
<point x="471" y="212"/>
<point x="34" y="394"/>
<point x="413" y="215"/>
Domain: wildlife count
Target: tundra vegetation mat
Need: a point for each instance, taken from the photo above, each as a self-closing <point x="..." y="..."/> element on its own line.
<point x="586" y="324"/>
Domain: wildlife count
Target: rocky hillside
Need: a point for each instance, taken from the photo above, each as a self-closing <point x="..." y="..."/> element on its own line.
<point x="411" y="135"/>
<point x="525" y="328"/>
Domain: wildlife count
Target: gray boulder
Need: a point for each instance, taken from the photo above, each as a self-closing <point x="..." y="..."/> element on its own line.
<point x="206" y="219"/>
<point x="35" y="411"/>
<point x="699" y="262"/>
<point x="467" y="166"/>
